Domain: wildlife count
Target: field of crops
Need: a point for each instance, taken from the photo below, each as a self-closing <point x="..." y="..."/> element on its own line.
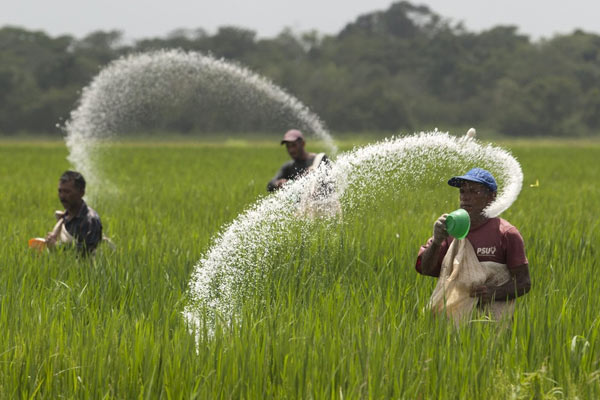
<point x="340" y="317"/>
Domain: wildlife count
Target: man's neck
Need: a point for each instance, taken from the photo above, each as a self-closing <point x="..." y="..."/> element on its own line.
<point x="72" y="212"/>
<point x="303" y="157"/>
<point x="478" y="221"/>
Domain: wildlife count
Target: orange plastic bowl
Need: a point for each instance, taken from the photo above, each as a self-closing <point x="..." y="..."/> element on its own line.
<point x="38" y="244"/>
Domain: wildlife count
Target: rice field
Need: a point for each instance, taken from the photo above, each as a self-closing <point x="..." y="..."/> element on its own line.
<point x="341" y="315"/>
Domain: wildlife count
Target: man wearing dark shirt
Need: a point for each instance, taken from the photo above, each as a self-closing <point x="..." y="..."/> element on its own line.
<point x="301" y="161"/>
<point x="79" y="223"/>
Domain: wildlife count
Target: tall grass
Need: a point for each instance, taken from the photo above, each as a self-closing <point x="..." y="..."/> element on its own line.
<point x="340" y="315"/>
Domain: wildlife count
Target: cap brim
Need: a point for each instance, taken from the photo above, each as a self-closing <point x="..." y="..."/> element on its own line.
<point x="457" y="180"/>
<point x="291" y="140"/>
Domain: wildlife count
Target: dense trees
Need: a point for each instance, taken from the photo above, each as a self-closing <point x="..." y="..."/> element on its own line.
<point x="401" y="69"/>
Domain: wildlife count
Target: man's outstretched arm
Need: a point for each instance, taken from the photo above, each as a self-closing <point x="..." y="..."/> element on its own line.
<point x="278" y="180"/>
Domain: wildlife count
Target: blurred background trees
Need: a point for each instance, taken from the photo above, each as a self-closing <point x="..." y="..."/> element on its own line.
<point x="398" y="70"/>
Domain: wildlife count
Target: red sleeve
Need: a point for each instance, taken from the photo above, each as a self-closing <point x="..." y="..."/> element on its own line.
<point x="515" y="249"/>
<point x="443" y="251"/>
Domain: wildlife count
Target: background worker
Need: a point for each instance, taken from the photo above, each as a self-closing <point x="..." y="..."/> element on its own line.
<point x="301" y="160"/>
<point x="78" y="224"/>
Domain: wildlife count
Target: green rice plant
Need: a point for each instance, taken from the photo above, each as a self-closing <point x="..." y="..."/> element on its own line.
<point x="339" y="315"/>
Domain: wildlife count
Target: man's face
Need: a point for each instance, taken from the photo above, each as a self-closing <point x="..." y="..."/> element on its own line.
<point x="295" y="149"/>
<point x="475" y="197"/>
<point x="69" y="195"/>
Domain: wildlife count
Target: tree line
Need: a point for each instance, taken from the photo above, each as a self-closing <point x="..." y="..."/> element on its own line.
<point x="402" y="69"/>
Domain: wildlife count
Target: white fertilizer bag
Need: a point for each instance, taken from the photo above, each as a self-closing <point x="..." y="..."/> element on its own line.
<point x="461" y="271"/>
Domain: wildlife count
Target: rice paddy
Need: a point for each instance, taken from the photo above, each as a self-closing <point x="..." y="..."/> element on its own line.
<point x="340" y="317"/>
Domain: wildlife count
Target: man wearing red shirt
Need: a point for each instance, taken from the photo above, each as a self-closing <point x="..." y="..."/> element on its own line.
<point x="494" y="240"/>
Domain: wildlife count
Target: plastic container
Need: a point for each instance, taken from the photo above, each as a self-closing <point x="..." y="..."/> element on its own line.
<point x="458" y="223"/>
<point x="38" y="244"/>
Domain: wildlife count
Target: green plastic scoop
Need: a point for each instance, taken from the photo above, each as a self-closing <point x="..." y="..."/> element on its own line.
<point x="458" y="223"/>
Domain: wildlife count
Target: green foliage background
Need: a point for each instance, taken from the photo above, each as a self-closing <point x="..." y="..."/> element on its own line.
<point x="398" y="70"/>
<point x="342" y="316"/>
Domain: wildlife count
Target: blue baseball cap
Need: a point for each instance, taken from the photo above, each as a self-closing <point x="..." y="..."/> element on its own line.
<point x="478" y="175"/>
